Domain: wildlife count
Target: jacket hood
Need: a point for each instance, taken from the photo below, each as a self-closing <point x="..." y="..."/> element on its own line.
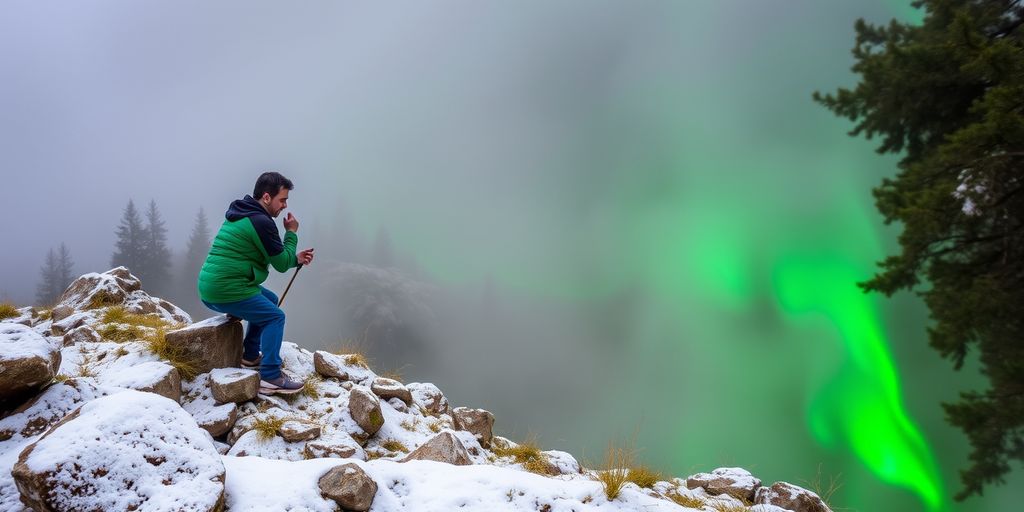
<point x="245" y="207"/>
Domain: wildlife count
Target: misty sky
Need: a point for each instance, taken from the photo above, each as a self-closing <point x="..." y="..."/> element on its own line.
<point x="644" y="189"/>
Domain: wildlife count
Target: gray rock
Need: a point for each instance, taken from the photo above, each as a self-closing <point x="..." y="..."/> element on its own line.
<point x="340" y="446"/>
<point x="443" y="447"/>
<point x="389" y="388"/>
<point x="476" y="421"/>
<point x="364" y="408"/>
<point x="219" y="419"/>
<point x="296" y="431"/>
<point x="213" y="343"/>
<point x="27" y="363"/>
<point x="151" y="377"/>
<point x="81" y="334"/>
<point x="429" y="397"/>
<point x="61" y="312"/>
<point x="330" y="365"/>
<point x="736" y="482"/>
<point x="349" y="486"/>
<point x="791" y="497"/>
<point x="234" y="385"/>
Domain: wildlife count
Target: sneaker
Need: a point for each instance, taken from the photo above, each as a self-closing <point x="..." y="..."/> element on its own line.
<point x="280" y="386"/>
<point x="255" y="363"/>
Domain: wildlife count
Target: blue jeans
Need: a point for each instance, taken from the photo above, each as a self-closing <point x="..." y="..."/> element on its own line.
<point x="265" y="331"/>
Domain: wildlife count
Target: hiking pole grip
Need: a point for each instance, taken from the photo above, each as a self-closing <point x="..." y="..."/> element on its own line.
<point x="290" y="281"/>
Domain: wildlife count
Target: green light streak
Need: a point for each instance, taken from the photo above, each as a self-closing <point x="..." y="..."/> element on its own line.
<point x="862" y="404"/>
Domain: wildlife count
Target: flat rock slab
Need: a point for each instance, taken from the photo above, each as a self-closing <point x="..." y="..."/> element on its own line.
<point x="213" y="343"/>
<point x="234" y="385"/>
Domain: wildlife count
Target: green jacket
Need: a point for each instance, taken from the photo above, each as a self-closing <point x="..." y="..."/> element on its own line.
<point x="246" y="244"/>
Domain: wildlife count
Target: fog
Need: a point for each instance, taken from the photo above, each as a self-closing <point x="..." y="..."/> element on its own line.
<point x="569" y="213"/>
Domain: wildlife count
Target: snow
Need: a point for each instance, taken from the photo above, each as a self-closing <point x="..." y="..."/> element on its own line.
<point x="257" y="484"/>
<point x="139" y="376"/>
<point x="21" y="342"/>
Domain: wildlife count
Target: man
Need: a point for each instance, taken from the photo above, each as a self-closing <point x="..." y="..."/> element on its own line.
<point x="237" y="264"/>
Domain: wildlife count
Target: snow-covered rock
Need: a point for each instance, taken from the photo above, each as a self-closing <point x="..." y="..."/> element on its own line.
<point x="444" y="447"/>
<point x="389" y="388"/>
<point x="349" y="486"/>
<point x="365" y="409"/>
<point x="476" y="421"/>
<point x="234" y="384"/>
<point x="790" y="497"/>
<point x="151" y="377"/>
<point x="429" y="397"/>
<point x="27" y="363"/>
<point x="736" y="482"/>
<point x="130" y="450"/>
<point x="330" y="365"/>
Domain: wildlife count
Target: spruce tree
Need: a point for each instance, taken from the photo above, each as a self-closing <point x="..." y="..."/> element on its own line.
<point x="65" y="269"/>
<point x="46" y="290"/>
<point x="195" y="255"/>
<point x="131" y="239"/>
<point x="948" y="97"/>
<point x="156" y="271"/>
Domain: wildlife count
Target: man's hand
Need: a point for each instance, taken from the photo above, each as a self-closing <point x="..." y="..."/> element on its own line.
<point x="291" y="223"/>
<point x="305" y="257"/>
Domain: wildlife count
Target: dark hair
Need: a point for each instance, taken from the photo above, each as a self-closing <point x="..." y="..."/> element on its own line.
<point x="271" y="183"/>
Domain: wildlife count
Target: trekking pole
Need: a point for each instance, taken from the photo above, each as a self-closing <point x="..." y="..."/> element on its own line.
<point x="289" y="285"/>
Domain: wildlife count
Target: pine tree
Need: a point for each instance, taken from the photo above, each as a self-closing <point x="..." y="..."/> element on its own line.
<point x="948" y="96"/>
<point x="46" y="290"/>
<point x="156" y="269"/>
<point x="195" y="254"/>
<point x="65" y="268"/>
<point x="131" y="239"/>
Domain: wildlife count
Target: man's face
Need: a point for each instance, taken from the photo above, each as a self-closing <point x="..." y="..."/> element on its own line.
<point x="275" y="204"/>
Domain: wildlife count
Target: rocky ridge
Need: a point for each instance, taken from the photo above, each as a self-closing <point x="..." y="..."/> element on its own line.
<point x="108" y="351"/>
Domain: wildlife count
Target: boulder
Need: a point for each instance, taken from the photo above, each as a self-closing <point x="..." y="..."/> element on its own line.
<point x="329" y="365"/>
<point x="389" y="388"/>
<point x="69" y="323"/>
<point x="791" y="497"/>
<point x="349" y="486"/>
<point x="218" y="419"/>
<point x="47" y="408"/>
<point x="81" y="334"/>
<point x="27" y="363"/>
<point x="113" y="452"/>
<point x="61" y="312"/>
<point x="234" y="385"/>
<point x="476" y="421"/>
<point x="152" y="377"/>
<point x="295" y="431"/>
<point x="443" y="447"/>
<point x="429" y="397"/>
<point x="213" y="343"/>
<point x="98" y="290"/>
<point x="735" y="482"/>
<point x="364" y="408"/>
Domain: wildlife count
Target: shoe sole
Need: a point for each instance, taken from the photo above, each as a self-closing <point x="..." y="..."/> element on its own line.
<point x="278" y="391"/>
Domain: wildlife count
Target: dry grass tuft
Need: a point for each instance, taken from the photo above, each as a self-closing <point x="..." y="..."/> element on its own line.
<point x="527" y="453"/>
<point x="157" y="343"/>
<point x="824" y="491"/>
<point x="266" y="427"/>
<point x="60" y="377"/>
<point x="410" y="425"/>
<point x="8" y="310"/>
<point x="102" y="298"/>
<point x="119" y="334"/>
<point x="644" y="477"/>
<point x="119" y="315"/>
<point x="686" y="501"/>
<point x="311" y="388"/>
<point x="721" y="506"/>
<point x="42" y="314"/>
<point x="615" y="471"/>
<point x="394" y="445"/>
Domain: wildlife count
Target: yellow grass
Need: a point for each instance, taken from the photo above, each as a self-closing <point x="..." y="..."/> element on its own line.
<point x="101" y="299"/>
<point x="686" y="501"/>
<point x="174" y="355"/>
<point x="266" y="427"/>
<point x="528" y="454"/>
<point x="394" y="445"/>
<point x="119" y="315"/>
<point x="644" y="477"/>
<point x="8" y="310"/>
<point x="615" y="471"/>
<point x="311" y="387"/>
